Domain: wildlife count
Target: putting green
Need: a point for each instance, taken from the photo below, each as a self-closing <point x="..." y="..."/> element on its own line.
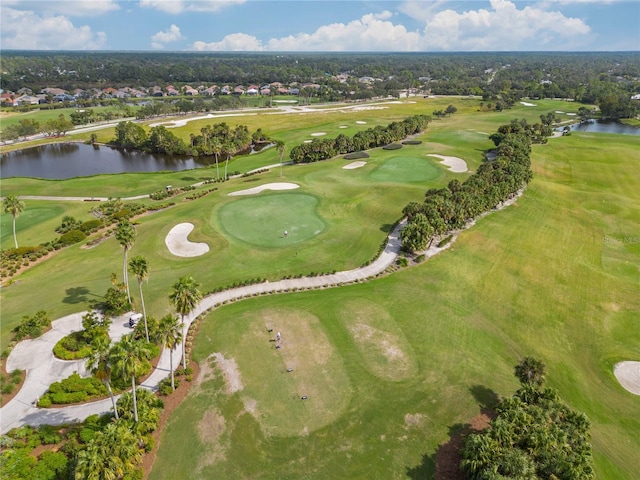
<point x="262" y="220"/>
<point x="406" y="169"/>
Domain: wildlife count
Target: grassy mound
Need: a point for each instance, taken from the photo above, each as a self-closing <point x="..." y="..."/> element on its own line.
<point x="405" y="169"/>
<point x="262" y="220"/>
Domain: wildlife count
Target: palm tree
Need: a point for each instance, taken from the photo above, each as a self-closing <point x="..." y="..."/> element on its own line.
<point x="530" y="371"/>
<point x="170" y="335"/>
<point x="216" y="148"/>
<point x="280" y="148"/>
<point x="126" y="235"/>
<point x="140" y="268"/>
<point x="14" y="206"/>
<point x="99" y="364"/>
<point x="184" y="297"/>
<point x="113" y="453"/>
<point x="129" y="357"/>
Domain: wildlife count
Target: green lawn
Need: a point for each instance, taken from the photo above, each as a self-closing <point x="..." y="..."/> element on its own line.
<point x="425" y="348"/>
<point x="391" y="367"/>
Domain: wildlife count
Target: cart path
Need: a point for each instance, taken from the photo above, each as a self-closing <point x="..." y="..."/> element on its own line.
<point x="36" y="355"/>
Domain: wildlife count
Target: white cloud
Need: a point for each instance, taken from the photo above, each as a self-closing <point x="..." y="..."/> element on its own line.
<point x="159" y="39"/>
<point x="504" y="27"/>
<point x="179" y="6"/>
<point x="26" y="30"/>
<point x="69" y="8"/>
<point x="236" y="42"/>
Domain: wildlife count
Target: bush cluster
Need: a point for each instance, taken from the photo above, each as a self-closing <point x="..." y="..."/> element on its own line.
<point x="73" y="389"/>
<point x="392" y="146"/>
<point x="31" y="326"/>
<point x="200" y="194"/>
<point x="8" y="382"/>
<point x="356" y="155"/>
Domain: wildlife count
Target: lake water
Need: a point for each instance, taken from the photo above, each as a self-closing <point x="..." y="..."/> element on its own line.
<point x="68" y="160"/>
<point x="601" y="126"/>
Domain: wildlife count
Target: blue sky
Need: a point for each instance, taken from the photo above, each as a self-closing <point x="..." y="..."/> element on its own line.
<point x="308" y="25"/>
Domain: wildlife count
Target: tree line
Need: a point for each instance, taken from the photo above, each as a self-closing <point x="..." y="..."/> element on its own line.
<point x="371" y="138"/>
<point x="450" y="208"/>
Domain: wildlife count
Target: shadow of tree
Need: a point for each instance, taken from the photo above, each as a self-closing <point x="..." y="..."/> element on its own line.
<point x="426" y="468"/>
<point x="76" y="295"/>
<point x="386" y="228"/>
<point x="444" y="464"/>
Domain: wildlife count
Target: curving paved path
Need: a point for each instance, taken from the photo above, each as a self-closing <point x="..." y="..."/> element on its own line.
<point x="36" y="355"/>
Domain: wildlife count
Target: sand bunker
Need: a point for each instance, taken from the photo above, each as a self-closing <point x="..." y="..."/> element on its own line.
<point x="527" y="104"/>
<point x="318" y="134"/>
<point x="628" y="374"/>
<point x="307" y="141"/>
<point x="572" y="114"/>
<point x="343" y="126"/>
<point x="455" y="164"/>
<point x="178" y="244"/>
<point x="267" y="186"/>
<point x="361" y="122"/>
<point x="353" y="165"/>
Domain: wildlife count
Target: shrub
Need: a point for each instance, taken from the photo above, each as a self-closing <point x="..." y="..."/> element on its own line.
<point x="444" y="241"/>
<point x="392" y="146"/>
<point x="31" y="327"/>
<point x="20" y="251"/>
<point x="74" y="236"/>
<point x="356" y="155"/>
<point x="90" y="226"/>
<point x="402" y="262"/>
<point x="73" y="389"/>
<point x="44" y="402"/>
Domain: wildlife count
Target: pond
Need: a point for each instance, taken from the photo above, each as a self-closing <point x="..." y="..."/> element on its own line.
<point x="67" y="160"/>
<point x="604" y="126"/>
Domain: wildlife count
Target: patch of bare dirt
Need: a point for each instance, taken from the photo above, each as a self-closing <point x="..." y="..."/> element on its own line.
<point x="413" y="420"/>
<point x="448" y="456"/>
<point x="230" y="372"/>
<point x="211" y="426"/>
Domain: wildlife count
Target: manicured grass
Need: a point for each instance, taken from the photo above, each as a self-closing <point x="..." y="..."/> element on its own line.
<point x="262" y="220"/>
<point x="391" y="367"/>
<point x="406" y="169"/>
<point x="529" y="280"/>
<point x="37" y="223"/>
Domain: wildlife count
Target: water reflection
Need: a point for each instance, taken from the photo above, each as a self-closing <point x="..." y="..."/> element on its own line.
<point x="68" y="160"/>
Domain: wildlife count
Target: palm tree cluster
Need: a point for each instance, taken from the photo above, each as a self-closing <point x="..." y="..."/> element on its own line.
<point x="450" y="208"/>
<point x="535" y="435"/>
<point x="371" y="138"/>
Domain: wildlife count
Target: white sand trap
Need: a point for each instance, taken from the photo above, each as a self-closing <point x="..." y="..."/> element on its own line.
<point x="180" y="246"/>
<point x="343" y="126"/>
<point x="318" y="134"/>
<point x="527" y="104"/>
<point x="307" y="141"/>
<point x="572" y="114"/>
<point x="559" y="111"/>
<point x="266" y="186"/>
<point x="353" y="165"/>
<point x="628" y="374"/>
<point x="361" y="122"/>
<point x="455" y="164"/>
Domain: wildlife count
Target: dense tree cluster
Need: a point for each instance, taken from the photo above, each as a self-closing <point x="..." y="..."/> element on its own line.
<point x="218" y="140"/>
<point x="372" y="137"/>
<point x="450" y="208"/>
<point x="535" y="435"/>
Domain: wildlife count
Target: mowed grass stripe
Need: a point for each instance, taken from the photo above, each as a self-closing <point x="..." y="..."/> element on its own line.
<point x="526" y="280"/>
